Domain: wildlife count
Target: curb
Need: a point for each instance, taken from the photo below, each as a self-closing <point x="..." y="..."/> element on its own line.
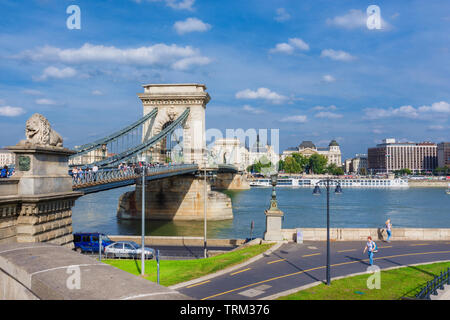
<point x="232" y="268"/>
<point x="307" y="286"/>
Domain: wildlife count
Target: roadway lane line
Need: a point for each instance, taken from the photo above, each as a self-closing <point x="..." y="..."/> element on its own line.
<point x="275" y="261"/>
<point x="232" y="274"/>
<point x="310" y="255"/>
<point x="316" y="268"/>
<point x="198" y="284"/>
<point x="385" y="247"/>
<point x="348" y="250"/>
<point x="419" y="244"/>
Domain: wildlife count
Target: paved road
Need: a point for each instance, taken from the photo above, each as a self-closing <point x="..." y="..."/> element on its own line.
<point x="294" y="265"/>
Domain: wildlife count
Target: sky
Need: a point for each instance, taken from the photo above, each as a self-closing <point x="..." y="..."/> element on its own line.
<point x="316" y="70"/>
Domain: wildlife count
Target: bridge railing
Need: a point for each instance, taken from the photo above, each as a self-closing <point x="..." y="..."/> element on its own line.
<point x="432" y="286"/>
<point x="113" y="174"/>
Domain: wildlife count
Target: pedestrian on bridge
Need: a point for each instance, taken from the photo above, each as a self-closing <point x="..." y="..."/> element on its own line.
<point x="4" y="172"/>
<point x="94" y="172"/>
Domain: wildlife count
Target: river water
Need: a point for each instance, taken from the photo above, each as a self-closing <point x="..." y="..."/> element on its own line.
<point x="364" y="208"/>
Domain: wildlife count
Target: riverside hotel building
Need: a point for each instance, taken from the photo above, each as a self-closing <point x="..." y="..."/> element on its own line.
<point x="391" y="155"/>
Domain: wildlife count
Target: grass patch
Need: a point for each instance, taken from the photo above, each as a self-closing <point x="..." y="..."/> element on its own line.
<point x="176" y="271"/>
<point x="395" y="284"/>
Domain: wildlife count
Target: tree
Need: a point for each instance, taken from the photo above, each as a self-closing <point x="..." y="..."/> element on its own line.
<point x="291" y="165"/>
<point x="334" y="170"/>
<point x="317" y="163"/>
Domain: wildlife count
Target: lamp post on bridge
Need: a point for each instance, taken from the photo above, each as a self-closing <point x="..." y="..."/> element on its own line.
<point x="317" y="192"/>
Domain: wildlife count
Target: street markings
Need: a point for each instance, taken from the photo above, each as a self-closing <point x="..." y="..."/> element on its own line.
<point x="317" y="268"/>
<point x="232" y="274"/>
<point x="348" y="250"/>
<point x="250" y="293"/>
<point x="419" y="244"/>
<point x="310" y="255"/>
<point x="275" y="261"/>
<point x="312" y="248"/>
<point x="198" y="284"/>
<point x="385" y="247"/>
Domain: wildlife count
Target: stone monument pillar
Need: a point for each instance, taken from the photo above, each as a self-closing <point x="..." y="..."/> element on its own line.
<point x="274" y="217"/>
<point x="45" y="186"/>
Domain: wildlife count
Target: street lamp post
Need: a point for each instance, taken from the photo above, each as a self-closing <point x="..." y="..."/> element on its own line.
<point x="143" y="220"/>
<point x="316" y="191"/>
<point x="205" y="250"/>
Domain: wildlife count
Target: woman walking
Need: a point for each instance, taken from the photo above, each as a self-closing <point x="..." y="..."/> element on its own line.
<point x="371" y="246"/>
<point x="388" y="229"/>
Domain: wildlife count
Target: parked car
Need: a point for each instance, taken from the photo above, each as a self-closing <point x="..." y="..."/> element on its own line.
<point x="88" y="242"/>
<point x="127" y="249"/>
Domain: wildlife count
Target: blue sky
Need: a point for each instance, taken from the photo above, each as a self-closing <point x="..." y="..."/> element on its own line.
<point x="309" y="68"/>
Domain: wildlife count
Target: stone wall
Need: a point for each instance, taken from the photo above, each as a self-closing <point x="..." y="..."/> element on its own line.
<point x="231" y="181"/>
<point x="428" y="183"/>
<point x="361" y="234"/>
<point x="43" y="271"/>
<point x="175" y="198"/>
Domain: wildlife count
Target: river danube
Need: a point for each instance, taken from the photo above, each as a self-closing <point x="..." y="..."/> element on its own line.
<point x="364" y="208"/>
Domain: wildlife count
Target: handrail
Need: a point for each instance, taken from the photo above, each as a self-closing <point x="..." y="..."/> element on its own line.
<point x="432" y="286"/>
<point x="103" y="176"/>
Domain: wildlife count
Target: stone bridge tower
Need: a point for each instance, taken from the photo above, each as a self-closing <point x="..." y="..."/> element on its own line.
<point x="171" y="100"/>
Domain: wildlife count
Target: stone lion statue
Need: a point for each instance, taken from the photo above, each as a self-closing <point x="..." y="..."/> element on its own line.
<point x="39" y="132"/>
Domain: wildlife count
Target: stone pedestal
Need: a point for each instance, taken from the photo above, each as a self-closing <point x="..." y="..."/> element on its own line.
<point x="45" y="193"/>
<point x="274" y="217"/>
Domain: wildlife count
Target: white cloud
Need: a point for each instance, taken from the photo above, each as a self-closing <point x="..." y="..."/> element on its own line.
<point x="408" y="111"/>
<point x="181" y="4"/>
<point x="282" y="15"/>
<point x="436" y="127"/>
<point x="32" y="92"/>
<point x="45" y="102"/>
<point x="174" y="4"/>
<point x="319" y="108"/>
<point x="8" y="111"/>
<point x="191" y="25"/>
<point x="251" y="109"/>
<point x="53" y="72"/>
<point x="288" y="48"/>
<point x="186" y="63"/>
<point x="354" y="19"/>
<point x="261" y="93"/>
<point x="328" y="115"/>
<point x="328" y="78"/>
<point x="338" y="55"/>
<point x="158" y="54"/>
<point x="297" y="119"/>
<point x="96" y="93"/>
<point x="377" y="131"/>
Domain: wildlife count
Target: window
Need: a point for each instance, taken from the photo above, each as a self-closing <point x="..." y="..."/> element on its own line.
<point x="95" y="238"/>
<point x="128" y="246"/>
<point x="85" y="239"/>
<point x="118" y="246"/>
<point x="76" y="238"/>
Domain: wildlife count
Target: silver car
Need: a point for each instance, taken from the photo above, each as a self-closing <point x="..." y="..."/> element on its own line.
<point x="127" y="249"/>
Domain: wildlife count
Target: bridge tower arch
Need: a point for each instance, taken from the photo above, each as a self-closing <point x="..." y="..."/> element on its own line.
<point x="171" y="100"/>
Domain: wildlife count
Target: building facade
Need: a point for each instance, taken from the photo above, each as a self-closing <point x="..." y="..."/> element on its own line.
<point x="7" y="158"/>
<point x="390" y="156"/>
<point x="443" y="154"/>
<point x="307" y="148"/>
<point x="357" y="165"/>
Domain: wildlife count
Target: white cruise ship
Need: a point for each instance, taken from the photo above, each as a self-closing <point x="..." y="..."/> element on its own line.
<point x="353" y="182"/>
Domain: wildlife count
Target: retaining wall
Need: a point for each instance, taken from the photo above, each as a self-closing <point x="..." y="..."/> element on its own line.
<point x="42" y="271"/>
<point x="361" y="234"/>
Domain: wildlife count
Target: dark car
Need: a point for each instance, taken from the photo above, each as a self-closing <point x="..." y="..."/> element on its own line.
<point x="88" y="241"/>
